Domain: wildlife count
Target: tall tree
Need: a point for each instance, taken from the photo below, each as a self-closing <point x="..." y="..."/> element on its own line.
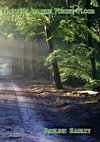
<point x="98" y="1"/>
<point x="89" y="42"/>
<point x="54" y="61"/>
<point x="56" y="72"/>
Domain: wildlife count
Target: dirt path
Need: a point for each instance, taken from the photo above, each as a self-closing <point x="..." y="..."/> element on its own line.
<point x="23" y="118"/>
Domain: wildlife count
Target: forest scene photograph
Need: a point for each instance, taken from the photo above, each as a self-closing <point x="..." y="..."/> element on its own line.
<point x="49" y="70"/>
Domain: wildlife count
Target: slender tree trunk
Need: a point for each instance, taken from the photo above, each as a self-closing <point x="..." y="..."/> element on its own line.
<point x="98" y="1"/>
<point x="99" y="26"/>
<point x="90" y="45"/>
<point x="54" y="62"/>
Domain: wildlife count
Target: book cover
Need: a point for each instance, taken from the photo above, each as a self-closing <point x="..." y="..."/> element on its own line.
<point x="49" y="71"/>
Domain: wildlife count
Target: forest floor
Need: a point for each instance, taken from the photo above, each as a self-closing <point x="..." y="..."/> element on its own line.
<point x="27" y="108"/>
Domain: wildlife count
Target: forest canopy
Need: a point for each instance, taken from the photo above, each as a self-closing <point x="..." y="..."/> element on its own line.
<point x="73" y="39"/>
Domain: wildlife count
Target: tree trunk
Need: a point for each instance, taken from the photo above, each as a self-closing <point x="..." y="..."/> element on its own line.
<point x="98" y="1"/>
<point x="54" y="62"/>
<point x="90" y="45"/>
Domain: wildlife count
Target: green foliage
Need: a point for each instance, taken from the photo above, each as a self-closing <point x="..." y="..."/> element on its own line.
<point x="73" y="61"/>
<point x="93" y="85"/>
<point x="21" y="22"/>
